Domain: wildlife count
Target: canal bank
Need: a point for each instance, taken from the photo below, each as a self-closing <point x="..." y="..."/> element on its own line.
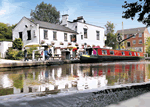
<point x="11" y="64"/>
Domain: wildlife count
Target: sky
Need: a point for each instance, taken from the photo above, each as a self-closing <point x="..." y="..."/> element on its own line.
<point x="96" y="12"/>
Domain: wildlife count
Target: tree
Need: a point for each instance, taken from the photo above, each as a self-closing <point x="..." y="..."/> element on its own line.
<point x="111" y="37"/>
<point x="6" y="31"/>
<point x="17" y="44"/>
<point x="45" y="12"/>
<point x="142" y="7"/>
<point x="147" y="44"/>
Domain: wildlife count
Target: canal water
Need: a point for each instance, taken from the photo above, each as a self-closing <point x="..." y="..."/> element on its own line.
<point x="72" y="77"/>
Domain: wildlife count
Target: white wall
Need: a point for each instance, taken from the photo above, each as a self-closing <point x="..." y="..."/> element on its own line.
<point x="4" y="45"/>
<point x="60" y="38"/>
<point x="91" y="34"/>
<point x="21" y="28"/>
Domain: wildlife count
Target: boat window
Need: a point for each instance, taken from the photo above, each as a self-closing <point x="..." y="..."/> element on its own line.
<point x="104" y="52"/>
<point x="134" y="53"/>
<point x="123" y="53"/>
<point x="130" y="53"/>
<point x="138" y="54"/>
<point x="111" y="52"/>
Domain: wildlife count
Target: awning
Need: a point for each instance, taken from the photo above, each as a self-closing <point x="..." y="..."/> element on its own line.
<point x="33" y="45"/>
<point x="69" y="47"/>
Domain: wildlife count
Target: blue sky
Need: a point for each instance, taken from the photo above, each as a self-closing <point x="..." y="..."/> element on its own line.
<point x="96" y="12"/>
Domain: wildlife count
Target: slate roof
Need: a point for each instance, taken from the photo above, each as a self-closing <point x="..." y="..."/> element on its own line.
<point x="52" y="26"/>
<point x="132" y="30"/>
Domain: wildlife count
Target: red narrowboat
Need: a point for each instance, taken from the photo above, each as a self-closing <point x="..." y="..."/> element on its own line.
<point x="110" y="55"/>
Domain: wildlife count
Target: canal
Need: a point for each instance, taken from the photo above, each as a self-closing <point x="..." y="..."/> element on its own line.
<point x="70" y="78"/>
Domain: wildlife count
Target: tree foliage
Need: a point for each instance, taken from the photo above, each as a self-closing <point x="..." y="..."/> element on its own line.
<point x="45" y="12"/>
<point x="6" y="31"/>
<point x="111" y="37"/>
<point x="147" y="44"/>
<point x="17" y="44"/>
<point x="141" y="7"/>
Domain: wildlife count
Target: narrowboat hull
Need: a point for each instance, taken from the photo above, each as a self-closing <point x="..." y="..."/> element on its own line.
<point x="91" y="58"/>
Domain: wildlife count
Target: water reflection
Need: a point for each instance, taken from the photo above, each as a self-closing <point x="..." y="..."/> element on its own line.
<point x="71" y="77"/>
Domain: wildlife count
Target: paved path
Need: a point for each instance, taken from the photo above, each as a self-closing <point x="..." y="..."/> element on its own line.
<point x="139" y="101"/>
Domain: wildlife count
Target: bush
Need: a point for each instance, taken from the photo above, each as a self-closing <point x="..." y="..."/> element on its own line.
<point x="14" y="54"/>
<point x="17" y="44"/>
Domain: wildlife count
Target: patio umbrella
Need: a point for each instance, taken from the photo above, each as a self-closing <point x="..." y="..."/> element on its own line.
<point x="33" y="45"/>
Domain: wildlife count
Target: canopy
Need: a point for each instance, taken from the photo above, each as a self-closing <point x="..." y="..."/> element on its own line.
<point x="70" y="47"/>
<point x="33" y="45"/>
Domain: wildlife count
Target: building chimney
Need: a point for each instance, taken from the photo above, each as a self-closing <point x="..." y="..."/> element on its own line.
<point x="80" y="19"/>
<point x="65" y="20"/>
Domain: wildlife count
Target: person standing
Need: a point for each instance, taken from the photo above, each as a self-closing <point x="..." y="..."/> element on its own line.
<point x="25" y="55"/>
<point x="46" y="54"/>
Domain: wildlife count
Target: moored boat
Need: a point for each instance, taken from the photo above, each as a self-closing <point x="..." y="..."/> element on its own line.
<point x="110" y="55"/>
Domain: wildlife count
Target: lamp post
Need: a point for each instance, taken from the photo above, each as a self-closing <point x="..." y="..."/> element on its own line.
<point x="85" y="47"/>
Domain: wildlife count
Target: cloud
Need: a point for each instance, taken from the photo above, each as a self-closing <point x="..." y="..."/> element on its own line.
<point x="2" y="12"/>
<point x="8" y="8"/>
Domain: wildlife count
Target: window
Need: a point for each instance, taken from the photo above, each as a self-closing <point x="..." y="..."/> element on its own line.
<point x="65" y="36"/>
<point x="134" y="41"/>
<point x="138" y="54"/>
<point x="104" y="52"/>
<point x="140" y="41"/>
<point x="127" y="36"/>
<point x="123" y="53"/>
<point x="111" y="52"/>
<point x="97" y="35"/>
<point x="75" y="28"/>
<point x="45" y="34"/>
<point x="54" y="35"/>
<point x="81" y="36"/>
<point x="20" y="35"/>
<point x="29" y="34"/>
<point x="130" y="53"/>
<point x="128" y="44"/>
<point x="134" y="36"/>
<point x="73" y="38"/>
<point x="134" y="54"/>
<point x="85" y="33"/>
<point x="140" y="34"/>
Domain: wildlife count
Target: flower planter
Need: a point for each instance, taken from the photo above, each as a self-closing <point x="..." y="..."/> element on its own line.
<point x="69" y="44"/>
<point x="76" y="44"/>
<point x="42" y="42"/>
<point x="61" y="43"/>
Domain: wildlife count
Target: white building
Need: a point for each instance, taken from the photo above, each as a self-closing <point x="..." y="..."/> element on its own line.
<point x="87" y="33"/>
<point x="4" y="45"/>
<point x="34" y="31"/>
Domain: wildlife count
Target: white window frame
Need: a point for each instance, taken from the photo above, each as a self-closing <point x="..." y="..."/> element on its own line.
<point x="140" y="34"/>
<point x="133" y="41"/>
<point x="139" y="41"/>
<point x="45" y="37"/>
<point x="134" y="36"/>
<point x="128" y="36"/>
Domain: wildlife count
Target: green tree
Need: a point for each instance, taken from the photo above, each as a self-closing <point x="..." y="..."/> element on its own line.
<point x="111" y="37"/>
<point x="17" y="44"/>
<point x="6" y="32"/>
<point x="142" y="7"/>
<point x="45" y="12"/>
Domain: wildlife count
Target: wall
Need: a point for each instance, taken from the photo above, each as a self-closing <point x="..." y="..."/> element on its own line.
<point x="91" y="35"/>
<point x="60" y="38"/>
<point x="21" y="28"/>
<point x="4" y="47"/>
